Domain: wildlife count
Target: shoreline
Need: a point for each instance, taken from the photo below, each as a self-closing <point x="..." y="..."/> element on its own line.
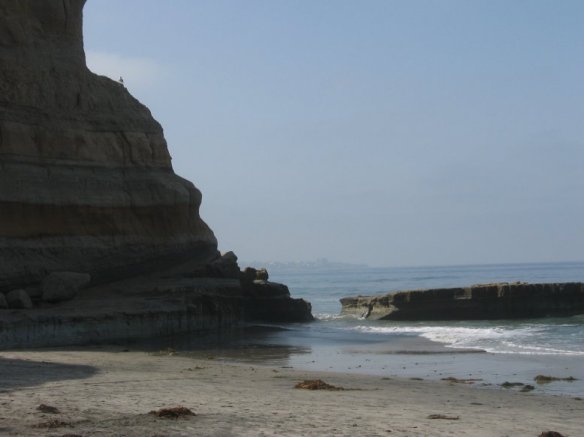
<point x="106" y="390"/>
<point x="398" y="356"/>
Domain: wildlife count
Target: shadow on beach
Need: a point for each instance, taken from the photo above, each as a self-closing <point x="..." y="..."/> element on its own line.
<point x="16" y="374"/>
<point x="257" y="344"/>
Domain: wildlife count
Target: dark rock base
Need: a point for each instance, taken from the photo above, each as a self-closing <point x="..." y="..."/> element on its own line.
<point x="134" y="310"/>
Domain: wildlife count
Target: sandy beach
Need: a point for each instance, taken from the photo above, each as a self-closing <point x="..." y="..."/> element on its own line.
<point x="110" y="391"/>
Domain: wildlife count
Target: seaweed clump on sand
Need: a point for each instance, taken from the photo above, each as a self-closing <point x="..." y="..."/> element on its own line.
<point x="544" y="379"/>
<point x="443" y="417"/>
<point x="461" y="381"/>
<point x="524" y="387"/>
<point x="48" y="409"/>
<point x="172" y="413"/>
<point x="316" y="384"/>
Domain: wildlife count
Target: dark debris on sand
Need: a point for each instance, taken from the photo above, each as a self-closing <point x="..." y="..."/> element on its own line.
<point x="51" y="424"/>
<point x="551" y="434"/>
<point x="48" y="409"/>
<point x="508" y="384"/>
<point x="316" y="384"/>
<point x="443" y="416"/>
<point x="172" y="413"/>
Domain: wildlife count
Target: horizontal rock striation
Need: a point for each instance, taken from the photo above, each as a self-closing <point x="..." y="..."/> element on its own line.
<point x="487" y="301"/>
<point x="86" y="182"/>
<point x="136" y="309"/>
<point x="170" y="302"/>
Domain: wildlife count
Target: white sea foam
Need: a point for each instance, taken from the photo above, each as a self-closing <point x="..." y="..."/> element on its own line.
<point x="328" y="317"/>
<point x="525" y="340"/>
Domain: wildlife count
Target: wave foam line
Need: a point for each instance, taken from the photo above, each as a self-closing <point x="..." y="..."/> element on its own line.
<point x="494" y="340"/>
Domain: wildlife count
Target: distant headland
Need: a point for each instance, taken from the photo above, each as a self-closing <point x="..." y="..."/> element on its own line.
<point x="320" y="263"/>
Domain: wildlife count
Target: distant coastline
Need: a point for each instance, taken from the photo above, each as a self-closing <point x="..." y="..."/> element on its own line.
<point x="326" y="264"/>
<point x="319" y="264"/>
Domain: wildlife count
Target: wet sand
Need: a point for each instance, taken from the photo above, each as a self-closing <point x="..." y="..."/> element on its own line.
<point x="400" y="356"/>
<point x="109" y="391"/>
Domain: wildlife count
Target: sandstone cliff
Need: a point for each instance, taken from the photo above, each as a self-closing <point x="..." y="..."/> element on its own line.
<point x="95" y="226"/>
<point x="86" y="182"/>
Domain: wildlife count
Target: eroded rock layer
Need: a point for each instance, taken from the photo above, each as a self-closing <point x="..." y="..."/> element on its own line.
<point x="486" y="301"/>
<point x="86" y="182"/>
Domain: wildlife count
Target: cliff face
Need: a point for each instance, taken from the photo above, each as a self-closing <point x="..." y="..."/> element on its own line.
<point x="86" y="182"/>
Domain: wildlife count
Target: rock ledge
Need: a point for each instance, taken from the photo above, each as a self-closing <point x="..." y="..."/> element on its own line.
<point x="483" y="301"/>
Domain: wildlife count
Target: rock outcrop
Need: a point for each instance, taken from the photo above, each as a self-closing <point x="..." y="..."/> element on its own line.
<point x="487" y="301"/>
<point x="157" y="305"/>
<point x="87" y="187"/>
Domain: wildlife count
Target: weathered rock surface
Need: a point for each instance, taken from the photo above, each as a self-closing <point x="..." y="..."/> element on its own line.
<point x="86" y="185"/>
<point x="86" y="182"/>
<point x="61" y="286"/>
<point x="271" y="302"/>
<point x="224" y="267"/>
<point x="160" y="304"/>
<point x="249" y="275"/>
<point x="262" y="275"/>
<point x="3" y="303"/>
<point x="488" y="301"/>
<point x="18" y="299"/>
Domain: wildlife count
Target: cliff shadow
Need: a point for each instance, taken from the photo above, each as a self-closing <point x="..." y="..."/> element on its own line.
<point x="16" y="374"/>
<point x="257" y="344"/>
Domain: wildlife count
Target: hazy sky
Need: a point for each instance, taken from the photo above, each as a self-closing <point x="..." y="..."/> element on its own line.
<point x="382" y="132"/>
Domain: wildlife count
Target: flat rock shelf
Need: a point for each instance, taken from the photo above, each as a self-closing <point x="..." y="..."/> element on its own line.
<point x="477" y="302"/>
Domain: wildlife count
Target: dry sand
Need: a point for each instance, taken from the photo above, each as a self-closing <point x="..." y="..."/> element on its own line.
<point x="109" y="392"/>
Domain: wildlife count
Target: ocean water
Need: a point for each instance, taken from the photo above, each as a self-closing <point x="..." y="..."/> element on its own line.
<point x="552" y="336"/>
<point x="506" y="350"/>
<point x="493" y="352"/>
